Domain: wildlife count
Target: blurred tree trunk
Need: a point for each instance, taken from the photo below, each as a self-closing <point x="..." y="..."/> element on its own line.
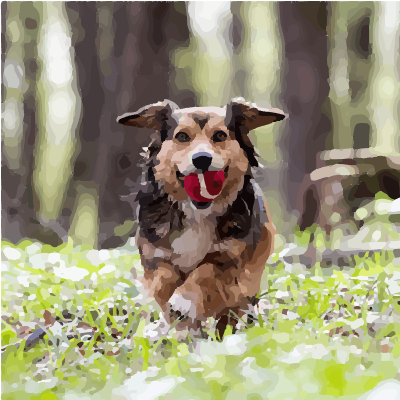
<point x="4" y="15"/>
<point x="239" y="87"/>
<point x="82" y="204"/>
<point x="65" y="159"/>
<point x="205" y="65"/>
<point x="385" y="83"/>
<point x="339" y="73"/>
<point x="364" y="93"/>
<point x="276" y="65"/>
<point x="305" y="91"/>
<point x="20" y="23"/>
<point x="58" y="110"/>
<point x="262" y="59"/>
<point x="124" y="53"/>
<point x="350" y="62"/>
<point x="15" y="86"/>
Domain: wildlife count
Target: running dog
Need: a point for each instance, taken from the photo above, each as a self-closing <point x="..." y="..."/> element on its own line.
<point x="205" y="232"/>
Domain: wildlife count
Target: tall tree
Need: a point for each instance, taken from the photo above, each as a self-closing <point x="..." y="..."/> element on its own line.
<point x="212" y="52"/>
<point x="305" y="89"/>
<point x="58" y="112"/>
<point x="19" y="42"/>
<point x="259" y="60"/>
<point x="350" y="62"/>
<point x="339" y="74"/>
<point x="384" y="86"/>
<point x="124" y="63"/>
<point x="112" y="57"/>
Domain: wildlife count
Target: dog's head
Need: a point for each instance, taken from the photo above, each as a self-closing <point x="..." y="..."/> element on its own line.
<point x="202" y="152"/>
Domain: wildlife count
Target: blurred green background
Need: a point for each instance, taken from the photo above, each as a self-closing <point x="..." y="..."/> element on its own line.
<point x="70" y="68"/>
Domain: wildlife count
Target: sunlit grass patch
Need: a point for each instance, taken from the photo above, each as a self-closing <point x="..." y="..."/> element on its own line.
<point x="317" y="332"/>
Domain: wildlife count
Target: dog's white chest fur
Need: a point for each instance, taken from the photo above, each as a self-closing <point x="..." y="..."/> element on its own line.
<point x="190" y="248"/>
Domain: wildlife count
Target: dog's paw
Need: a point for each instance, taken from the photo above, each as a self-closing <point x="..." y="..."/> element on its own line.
<point x="182" y="307"/>
<point x="156" y="330"/>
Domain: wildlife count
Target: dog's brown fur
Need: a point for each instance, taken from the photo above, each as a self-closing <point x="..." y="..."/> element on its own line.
<point x="201" y="263"/>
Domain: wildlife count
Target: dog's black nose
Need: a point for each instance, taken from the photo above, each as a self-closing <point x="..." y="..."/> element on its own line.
<point x="202" y="161"/>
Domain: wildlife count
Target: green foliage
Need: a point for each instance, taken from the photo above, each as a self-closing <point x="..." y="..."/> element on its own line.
<point x="382" y="196"/>
<point x="302" y="238"/>
<point x="318" y="333"/>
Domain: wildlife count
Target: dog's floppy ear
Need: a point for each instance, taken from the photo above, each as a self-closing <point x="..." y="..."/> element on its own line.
<point x="240" y="112"/>
<point x="151" y="116"/>
<point x="242" y="117"/>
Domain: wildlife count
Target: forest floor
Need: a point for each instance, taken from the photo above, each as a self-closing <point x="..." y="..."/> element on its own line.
<point x="321" y="332"/>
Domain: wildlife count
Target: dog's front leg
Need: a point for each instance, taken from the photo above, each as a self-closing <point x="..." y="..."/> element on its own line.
<point x="211" y="291"/>
<point x="207" y="292"/>
<point x="161" y="283"/>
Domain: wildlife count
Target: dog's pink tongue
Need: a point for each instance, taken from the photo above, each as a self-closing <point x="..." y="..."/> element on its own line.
<point x="213" y="181"/>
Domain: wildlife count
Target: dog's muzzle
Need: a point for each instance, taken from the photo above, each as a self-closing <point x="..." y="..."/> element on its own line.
<point x="203" y="178"/>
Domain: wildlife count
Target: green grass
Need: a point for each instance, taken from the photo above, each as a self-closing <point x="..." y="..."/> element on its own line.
<point x="320" y="333"/>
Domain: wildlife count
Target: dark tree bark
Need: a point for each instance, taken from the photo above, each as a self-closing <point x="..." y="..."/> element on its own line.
<point x="280" y="60"/>
<point x="123" y="59"/>
<point x="259" y="63"/>
<point x="124" y="63"/>
<point x="305" y="94"/>
<point x="384" y="84"/>
<point x="324" y="64"/>
<point x="18" y="215"/>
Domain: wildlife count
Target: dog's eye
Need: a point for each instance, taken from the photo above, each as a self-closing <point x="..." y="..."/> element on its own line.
<point x="182" y="137"/>
<point x="219" y="136"/>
